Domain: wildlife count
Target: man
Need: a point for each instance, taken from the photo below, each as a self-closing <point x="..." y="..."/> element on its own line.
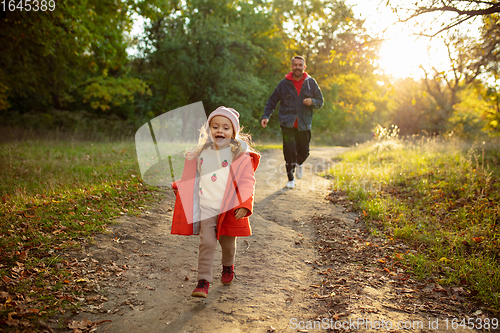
<point x="299" y="94"/>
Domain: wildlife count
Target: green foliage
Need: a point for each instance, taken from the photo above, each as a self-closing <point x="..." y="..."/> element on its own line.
<point x="216" y="56"/>
<point x="489" y="51"/>
<point x="234" y="53"/>
<point x="341" y="56"/>
<point x="493" y="114"/>
<point x="103" y="91"/>
<point x="440" y="196"/>
<point x="418" y="108"/>
<point x="469" y="116"/>
<point x="47" y="56"/>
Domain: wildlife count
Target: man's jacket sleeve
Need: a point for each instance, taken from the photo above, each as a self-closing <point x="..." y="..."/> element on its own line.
<point x="271" y="103"/>
<point x="317" y="96"/>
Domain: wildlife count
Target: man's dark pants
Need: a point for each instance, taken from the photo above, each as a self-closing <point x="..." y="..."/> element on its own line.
<point x="295" y="148"/>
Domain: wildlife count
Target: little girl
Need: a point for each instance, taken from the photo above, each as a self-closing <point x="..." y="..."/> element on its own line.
<point x="214" y="197"/>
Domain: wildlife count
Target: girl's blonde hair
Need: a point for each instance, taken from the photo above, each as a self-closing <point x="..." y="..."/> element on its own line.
<point x="204" y="142"/>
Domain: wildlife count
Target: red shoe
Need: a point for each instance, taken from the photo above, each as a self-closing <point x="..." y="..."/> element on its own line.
<point x="201" y="289"/>
<point x="227" y="275"/>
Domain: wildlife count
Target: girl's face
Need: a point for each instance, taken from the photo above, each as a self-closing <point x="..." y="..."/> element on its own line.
<point x="221" y="131"/>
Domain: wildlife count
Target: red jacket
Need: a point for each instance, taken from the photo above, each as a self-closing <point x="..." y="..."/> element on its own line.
<point x="239" y="193"/>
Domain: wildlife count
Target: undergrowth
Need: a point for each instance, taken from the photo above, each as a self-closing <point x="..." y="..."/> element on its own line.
<point x="54" y="196"/>
<point x="440" y="195"/>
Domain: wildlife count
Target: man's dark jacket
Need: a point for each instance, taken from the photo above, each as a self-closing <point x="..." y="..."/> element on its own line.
<point x="292" y="106"/>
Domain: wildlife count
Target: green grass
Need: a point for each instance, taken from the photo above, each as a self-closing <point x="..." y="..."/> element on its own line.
<point x="265" y="146"/>
<point x="53" y="196"/>
<point x="443" y="197"/>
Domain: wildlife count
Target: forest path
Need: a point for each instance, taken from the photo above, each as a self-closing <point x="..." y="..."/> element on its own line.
<point x="152" y="273"/>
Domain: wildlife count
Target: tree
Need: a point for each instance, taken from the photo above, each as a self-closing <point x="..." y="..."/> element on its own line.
<point x="220" y="57"/>
<point x="412" y="107"/>
<point x="469" y="116"/>
<point x="461" y="11"/>
<point x="469" y="59"/>
<point x="341" y="56"/>
<point x="47" y="57"/>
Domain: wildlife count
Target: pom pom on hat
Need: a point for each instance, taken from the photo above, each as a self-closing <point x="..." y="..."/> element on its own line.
<point x="230" y="114"/>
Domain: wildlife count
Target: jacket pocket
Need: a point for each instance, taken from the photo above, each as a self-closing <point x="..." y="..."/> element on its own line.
<point x="287" y="104"/>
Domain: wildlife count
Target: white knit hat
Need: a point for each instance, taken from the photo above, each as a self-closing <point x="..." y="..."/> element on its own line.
<point x="230" y="114"/>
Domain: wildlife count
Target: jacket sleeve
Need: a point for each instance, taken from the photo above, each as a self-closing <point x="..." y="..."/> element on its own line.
<point x="317" y="96"/>
<point x="246" y="185"/>
<point x="272" y="102"/>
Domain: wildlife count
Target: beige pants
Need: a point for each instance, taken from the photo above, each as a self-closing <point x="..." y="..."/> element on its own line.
<point x="208" y="244"/>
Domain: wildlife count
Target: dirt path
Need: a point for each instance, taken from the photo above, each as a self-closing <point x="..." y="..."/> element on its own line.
<point x="146" y="275"/>
<point x="152" y="273"/>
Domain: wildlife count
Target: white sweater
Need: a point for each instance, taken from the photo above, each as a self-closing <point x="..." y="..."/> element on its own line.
<point x="214" y="173"/>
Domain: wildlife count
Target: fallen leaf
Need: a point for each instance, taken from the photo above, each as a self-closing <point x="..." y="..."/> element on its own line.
<point x="458" y="290"/>
<point x="80" y="325"/>
<point x="440" y="289"/>
<point x="23" y="255"/>
<point x="85" y="325"/>
<point x="338" y="315"/>
<point x="406" y="290"/>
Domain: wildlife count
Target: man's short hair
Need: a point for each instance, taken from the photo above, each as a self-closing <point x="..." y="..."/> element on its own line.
<point x="299" y="57"/>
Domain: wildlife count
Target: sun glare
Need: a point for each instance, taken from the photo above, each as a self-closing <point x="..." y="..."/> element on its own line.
<point x="401" y="53"/>
<point x="402" y="56"/>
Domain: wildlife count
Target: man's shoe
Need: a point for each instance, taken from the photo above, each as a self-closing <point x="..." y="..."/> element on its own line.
<point x="201" y="289"/>
<point x="291" y="184"/>
<point x="227" y="275"/>
<point x="299" y="171"/>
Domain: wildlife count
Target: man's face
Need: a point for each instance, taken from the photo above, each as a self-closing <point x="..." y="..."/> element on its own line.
<point x="298" y="67"/>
